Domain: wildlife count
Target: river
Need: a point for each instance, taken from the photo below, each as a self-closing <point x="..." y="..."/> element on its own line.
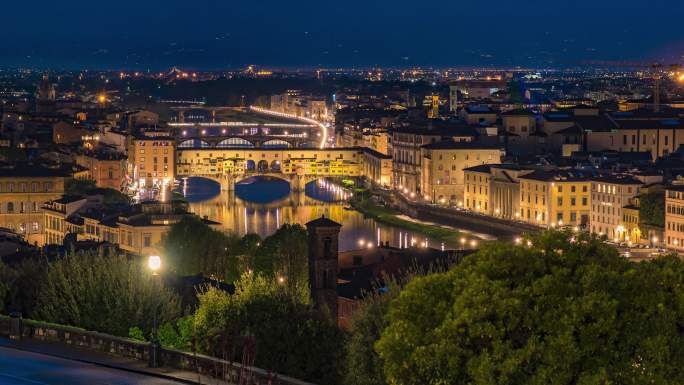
<point x="261" y="205"/>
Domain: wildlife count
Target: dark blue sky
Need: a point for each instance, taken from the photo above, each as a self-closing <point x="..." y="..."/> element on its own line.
<point x="214" y="34"/>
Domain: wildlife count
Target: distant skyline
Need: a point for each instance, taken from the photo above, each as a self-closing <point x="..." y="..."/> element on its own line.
<point x="214" y="34"/>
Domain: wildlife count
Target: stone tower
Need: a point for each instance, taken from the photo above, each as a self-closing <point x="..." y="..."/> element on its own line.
<point x="323" y="248"/>
<point x="46" y="96"/>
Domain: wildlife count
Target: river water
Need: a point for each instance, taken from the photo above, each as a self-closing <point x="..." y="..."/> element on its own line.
<point x="261" y="205"/>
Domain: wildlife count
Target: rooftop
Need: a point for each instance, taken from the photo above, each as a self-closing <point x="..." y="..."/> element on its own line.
<point x="453" y="145"/>
<point x="558" y="176"/>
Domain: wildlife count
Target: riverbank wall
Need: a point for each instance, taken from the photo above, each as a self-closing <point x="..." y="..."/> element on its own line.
<point x="500" y="228"/>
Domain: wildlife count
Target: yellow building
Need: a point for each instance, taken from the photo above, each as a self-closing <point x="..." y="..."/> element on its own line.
<point x="674" y="217"/>
<point x="152" y="160"/>
<point x="494" y="189"/>
<point x="378" y="140"/>
<point x="24" y="189"/>
<point x="377" y="168"/>
<point x="630" y="220"/>
<point x="477" y="189"/>
<point x="323" y="167"/>
<point x="558" y="198"/>
<point x="61" y="219"/>
<point x="442" y="176"/>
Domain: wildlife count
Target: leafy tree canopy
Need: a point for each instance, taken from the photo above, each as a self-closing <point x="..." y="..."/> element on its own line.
<point x="568" y="310"/>
<point x="291" y="338"/>
<point x="109" y="294"/>
<point x="652" y="209"/>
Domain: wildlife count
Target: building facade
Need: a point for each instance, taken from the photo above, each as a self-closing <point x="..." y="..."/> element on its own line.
<point x="674" y="217"/>
<point x="152" y="160"/>
<point x="609" y="196"/>
<point x="442" y="175"/>
<point x="555" y="198"/>
<point x="23" y="191"/>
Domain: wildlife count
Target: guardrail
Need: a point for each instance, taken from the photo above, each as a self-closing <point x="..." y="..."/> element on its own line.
<point x="18" y="328"/>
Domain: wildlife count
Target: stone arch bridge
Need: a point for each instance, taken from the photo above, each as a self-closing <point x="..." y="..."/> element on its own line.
<point x="297" y="182"/>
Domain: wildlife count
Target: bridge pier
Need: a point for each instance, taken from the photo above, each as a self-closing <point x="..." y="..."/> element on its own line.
<point x="227" y="183"/>
<point x="297" y="183"/>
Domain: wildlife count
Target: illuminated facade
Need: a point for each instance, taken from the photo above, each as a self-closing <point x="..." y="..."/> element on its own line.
<point x="23" y="191"/>
<point x="151" y="160"/>
<point x="555" y="198"/>
<point x="609" y="196"/>
<point x="442" y="175"/>
<point x="494" y="189"/>
<point x="107" y="170"/>
<point x="674" y="218"/>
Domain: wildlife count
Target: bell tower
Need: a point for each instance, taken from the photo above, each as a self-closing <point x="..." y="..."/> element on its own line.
<point x="323" y="247"/>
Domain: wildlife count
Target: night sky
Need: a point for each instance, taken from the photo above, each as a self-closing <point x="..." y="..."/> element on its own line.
<point x="213" y="34"/>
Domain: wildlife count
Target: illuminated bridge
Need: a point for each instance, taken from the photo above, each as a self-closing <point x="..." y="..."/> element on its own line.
<point x="246" y="141"/>
<point x="298" y="166"/>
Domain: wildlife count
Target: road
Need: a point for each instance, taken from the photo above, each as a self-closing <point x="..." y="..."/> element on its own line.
<point x="24" y="368"/>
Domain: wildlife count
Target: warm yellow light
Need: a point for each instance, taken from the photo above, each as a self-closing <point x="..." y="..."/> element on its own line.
<point x="102" y="99"/>
<point x="154" y="262"/>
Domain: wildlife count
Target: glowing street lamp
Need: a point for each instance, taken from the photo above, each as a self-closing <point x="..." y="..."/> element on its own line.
<point x="154" y="264"/>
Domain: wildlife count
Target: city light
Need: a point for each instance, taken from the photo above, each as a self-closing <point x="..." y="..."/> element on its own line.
<point x="154" y="263"/>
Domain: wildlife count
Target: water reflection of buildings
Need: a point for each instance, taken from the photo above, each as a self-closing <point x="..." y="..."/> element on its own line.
<point x="242" y="217"/>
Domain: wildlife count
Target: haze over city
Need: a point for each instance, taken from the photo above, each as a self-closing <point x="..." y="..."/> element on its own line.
<point x="214" y="34"/>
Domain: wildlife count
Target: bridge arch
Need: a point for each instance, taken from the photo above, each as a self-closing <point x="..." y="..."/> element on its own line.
<point x="250" y="165"/>
<point x="262" y="166"/>
<point x="275" y="166"/>
<point x="235" y="143"/>
<point x="194" y="143"/>
<point x="276" y="143"/>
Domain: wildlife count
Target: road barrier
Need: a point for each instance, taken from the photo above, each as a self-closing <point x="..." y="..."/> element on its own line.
<point x="17" y="328"/>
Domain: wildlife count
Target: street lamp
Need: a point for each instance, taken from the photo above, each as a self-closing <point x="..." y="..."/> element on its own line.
<point x="154" y="263"/>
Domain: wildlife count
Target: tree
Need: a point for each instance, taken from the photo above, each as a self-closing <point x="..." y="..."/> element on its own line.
<point x="22" y="285"/>
<point x="363" y="366"/>
<point x="568" y="310"/>
<point x="291" y="338"/>
<point x="109" y="294"/>
<point x="284" y="255"/>
<point x="652" y="209"/>
<point x="192" y="247"/>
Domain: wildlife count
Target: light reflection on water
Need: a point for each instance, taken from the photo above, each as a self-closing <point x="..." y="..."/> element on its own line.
<point x="263" y="205"/>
